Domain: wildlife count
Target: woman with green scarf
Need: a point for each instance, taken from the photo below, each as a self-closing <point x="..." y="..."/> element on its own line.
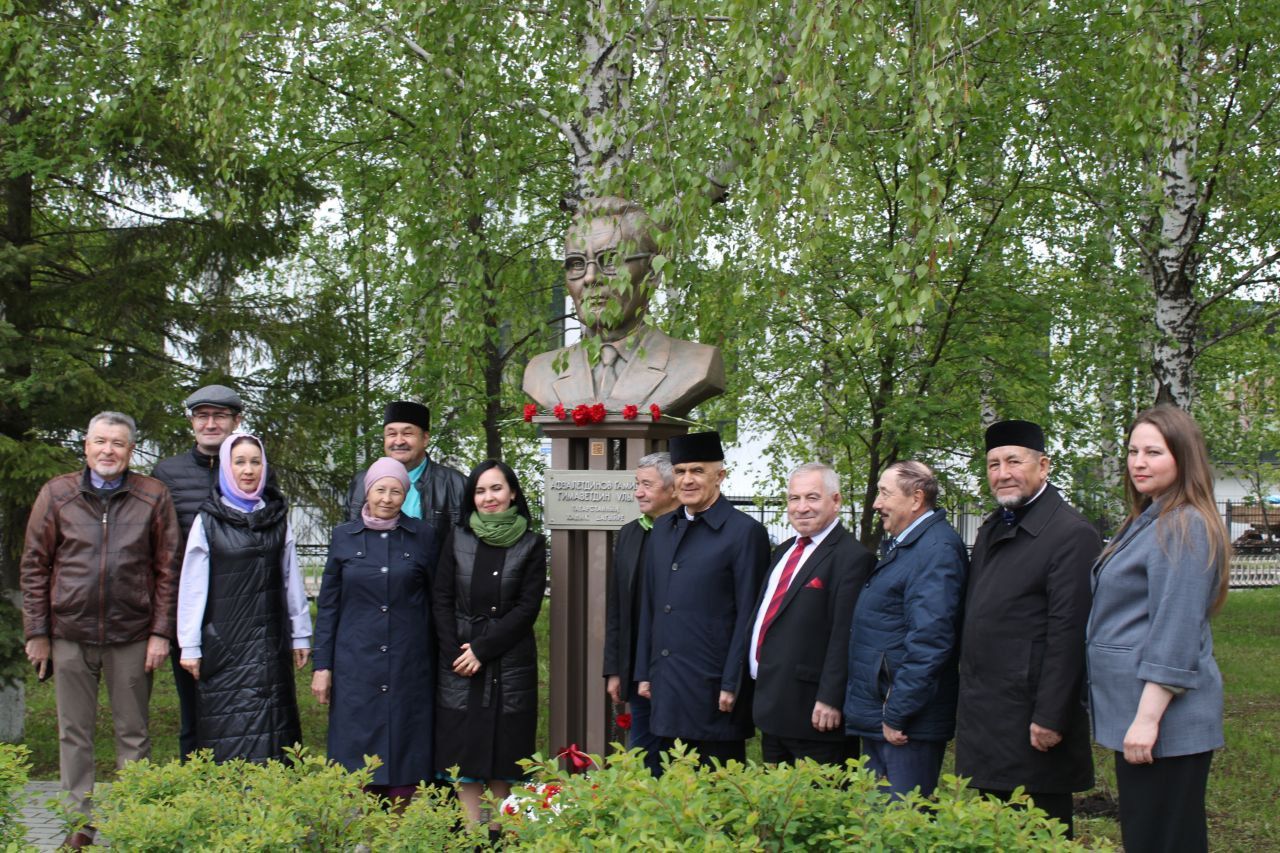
<point x="488" y="591"/>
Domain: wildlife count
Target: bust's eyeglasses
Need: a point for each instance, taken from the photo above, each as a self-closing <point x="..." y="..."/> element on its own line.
<point x="606" y="263"/>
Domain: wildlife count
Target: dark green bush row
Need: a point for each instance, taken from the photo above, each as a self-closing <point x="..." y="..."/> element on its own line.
<point x="313" y="805"/>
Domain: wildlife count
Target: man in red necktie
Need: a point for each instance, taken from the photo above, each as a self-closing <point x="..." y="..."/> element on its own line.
<point x="800" y="640"/>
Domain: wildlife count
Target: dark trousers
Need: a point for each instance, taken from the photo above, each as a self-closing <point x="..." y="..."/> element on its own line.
<point x="786" y="750"/>
<point x="1057" y="806"/>
<point x="186" y="687"/>
<point x="914" y="764"/>
<point x="721" y="750"/>
<point x="1162" y="804"/>
<point x="640" y="736"/>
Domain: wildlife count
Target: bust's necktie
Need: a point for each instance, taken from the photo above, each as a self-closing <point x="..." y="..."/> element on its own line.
<point x="605" y="370"/>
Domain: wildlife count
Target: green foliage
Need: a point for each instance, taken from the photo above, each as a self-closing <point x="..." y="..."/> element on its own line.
<point x="13" y="658"/>
<point x="305" y="804"/>
<point x="13" y="780"/>
<point x="737" y="807"/>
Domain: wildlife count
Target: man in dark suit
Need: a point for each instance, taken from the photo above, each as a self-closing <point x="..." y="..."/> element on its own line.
<point x="1021" y="719"/>
<point x="701" y="579"/>
<point x="656" y="496"/>
<point x="800" y="642"/>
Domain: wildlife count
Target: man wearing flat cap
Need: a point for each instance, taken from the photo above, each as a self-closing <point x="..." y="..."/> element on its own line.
<point x="215" y="411"/>
<point x="702" y="574"/>
<point x="1021" y="719"/>
<point x="436" y="496"/>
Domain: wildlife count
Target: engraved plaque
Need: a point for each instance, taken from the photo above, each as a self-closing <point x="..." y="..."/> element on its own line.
<point x="588" y="500"/>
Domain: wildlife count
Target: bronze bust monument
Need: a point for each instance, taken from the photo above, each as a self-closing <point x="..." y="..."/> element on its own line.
<point x="609" y="274"/>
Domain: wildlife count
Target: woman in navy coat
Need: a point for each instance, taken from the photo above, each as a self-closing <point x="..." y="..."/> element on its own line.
<point x="374" y="656"/>
<point x="1154" y="688"/>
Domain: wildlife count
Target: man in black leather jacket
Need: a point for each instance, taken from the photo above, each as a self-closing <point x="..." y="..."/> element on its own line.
<point x="436" y="496"/>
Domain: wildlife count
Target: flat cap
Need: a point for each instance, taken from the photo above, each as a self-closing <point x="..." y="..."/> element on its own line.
<point x="215" y="395"/>
<point x="696" y="447"/>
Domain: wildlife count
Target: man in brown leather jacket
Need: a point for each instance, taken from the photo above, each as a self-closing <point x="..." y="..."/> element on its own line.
<point x="99" y="595"/>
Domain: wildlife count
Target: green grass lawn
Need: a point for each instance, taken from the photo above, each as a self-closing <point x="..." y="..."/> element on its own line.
<point x="1244" y="786"/>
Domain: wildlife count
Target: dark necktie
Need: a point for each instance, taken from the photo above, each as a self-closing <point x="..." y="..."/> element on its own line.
<point x="781" y="589"/>
<point x="886" y="545"/>
<point x="1008" y="516"/>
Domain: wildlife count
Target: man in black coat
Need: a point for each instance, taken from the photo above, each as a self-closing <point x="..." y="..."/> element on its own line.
<point x="800" y="640"/>
<point x="702" y="575"/>
<point x="1021" y="719"/>
<point x="436" y="495"/>
<point x="215" y="412"/>
<point x="656" y="496"/>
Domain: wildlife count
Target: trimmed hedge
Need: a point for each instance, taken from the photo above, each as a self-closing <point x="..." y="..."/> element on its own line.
<point x="311" y="804"/>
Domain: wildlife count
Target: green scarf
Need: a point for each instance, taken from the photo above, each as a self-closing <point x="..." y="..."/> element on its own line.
<point x="646" y="523"/>
<point x="499" y="529"/>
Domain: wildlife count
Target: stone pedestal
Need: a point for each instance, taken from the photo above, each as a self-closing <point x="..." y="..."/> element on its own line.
<point x="581" y="570"/>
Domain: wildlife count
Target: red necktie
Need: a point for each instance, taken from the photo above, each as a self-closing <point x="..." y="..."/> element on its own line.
<point x="781" y="589"/>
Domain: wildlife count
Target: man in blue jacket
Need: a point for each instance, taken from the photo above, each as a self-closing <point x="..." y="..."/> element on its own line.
<point x="702" y="574"/>
<point x="901" y="698"/>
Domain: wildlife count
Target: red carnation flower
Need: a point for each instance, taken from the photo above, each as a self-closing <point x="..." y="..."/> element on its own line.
<point x="509" y="808"/>
<point x="598" y="413"/>
<point x="629" y="412"/>
<point x="581" y="414"/>
<point x="559" y="412"/>
<point x="529" y="411"/>
<point x="623" y="721"/>
<point x="655" y="410"/>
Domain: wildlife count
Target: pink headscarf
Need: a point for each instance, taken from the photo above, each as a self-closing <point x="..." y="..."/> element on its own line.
<point x="239" y="498"/>
<point x="380" y="470"/>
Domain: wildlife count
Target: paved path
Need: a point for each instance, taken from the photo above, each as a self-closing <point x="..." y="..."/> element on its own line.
<point x="44" y="829"/>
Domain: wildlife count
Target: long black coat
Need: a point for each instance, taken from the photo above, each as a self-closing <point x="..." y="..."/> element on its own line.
<point x="805" y="655"/>
<point x="1022" y="650"/>
<point x="488" y="597"/>
<point x="622" y="607"/>
<point x="374" y="632"/>
<point x="701" y="581"/>
<point x="247" y="707"/>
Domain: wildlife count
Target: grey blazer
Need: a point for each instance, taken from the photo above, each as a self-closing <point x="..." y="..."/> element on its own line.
<point x="1150" y="622"/>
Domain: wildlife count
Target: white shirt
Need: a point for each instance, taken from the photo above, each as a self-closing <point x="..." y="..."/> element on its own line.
<point x="193" y="590"/>
<point x="774" y="577"/>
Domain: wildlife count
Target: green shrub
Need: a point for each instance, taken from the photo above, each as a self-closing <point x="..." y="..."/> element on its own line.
<point x="736" y="807"/>
<point x="13" y="783"/>
<point x="13" y="655"/>
<point x="306" y="804"/>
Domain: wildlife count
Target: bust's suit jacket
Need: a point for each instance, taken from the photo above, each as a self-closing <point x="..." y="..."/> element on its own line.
<point x="622" y="607"/>
<point x="675" y="374"/>
<point x="805" y="655"/>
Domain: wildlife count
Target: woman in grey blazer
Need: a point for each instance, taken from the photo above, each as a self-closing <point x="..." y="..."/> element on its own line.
<point x="1154" y="688"/>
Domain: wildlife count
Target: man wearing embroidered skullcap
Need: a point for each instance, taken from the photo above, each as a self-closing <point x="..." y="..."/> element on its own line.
<point x="435" y="495"/>
<point x="1021" y="718"/>
<point x="702" y="574"/>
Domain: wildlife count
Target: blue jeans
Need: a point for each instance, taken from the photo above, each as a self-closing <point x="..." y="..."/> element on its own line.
<point x="640" y="736"/>
<point x="914" y="764"/>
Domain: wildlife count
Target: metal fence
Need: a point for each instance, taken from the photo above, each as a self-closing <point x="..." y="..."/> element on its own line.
<point x="1254" y="530"/>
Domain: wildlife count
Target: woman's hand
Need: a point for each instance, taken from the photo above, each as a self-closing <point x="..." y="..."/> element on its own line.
<point x="300" y="657"/>
<point x="1140" y="740"/>
<point x="321" y="684"/>
<point x="466" y="664"/>
<point x="191" y="665"/>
